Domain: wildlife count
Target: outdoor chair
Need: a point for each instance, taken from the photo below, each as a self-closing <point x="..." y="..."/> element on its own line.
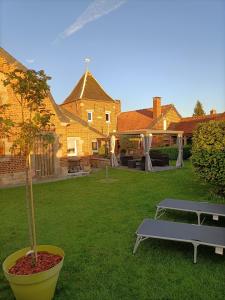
<point x="124" y="159"/>
<point x="131" y="163"/>
<point x="159" y="159"/>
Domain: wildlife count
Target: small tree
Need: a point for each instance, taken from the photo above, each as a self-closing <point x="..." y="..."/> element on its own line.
<point x="198" y="110"/>
<point x="5" y="122"/>
<point x="208" y="154"/>
<point x="30" y="89"/>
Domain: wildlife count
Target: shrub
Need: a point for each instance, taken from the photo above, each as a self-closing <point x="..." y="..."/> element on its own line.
<point x="173" y="151"/>
<point x="208" y="154"/>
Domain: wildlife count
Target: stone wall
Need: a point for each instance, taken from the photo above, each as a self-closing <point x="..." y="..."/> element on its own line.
<point x="98" y="162"/>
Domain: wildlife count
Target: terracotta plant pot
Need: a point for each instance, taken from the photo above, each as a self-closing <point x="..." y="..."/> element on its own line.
<point x="38" y="286"/>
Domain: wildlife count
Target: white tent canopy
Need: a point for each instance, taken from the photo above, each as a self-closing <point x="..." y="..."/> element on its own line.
<point x="147" y="135"/>
<point x="147" y="143"/>
<point x="114" y="162"/>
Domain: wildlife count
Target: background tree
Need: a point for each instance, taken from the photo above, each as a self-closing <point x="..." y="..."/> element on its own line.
<point x="208" y="154"/>
<point x="198" y="110"/>
<point x="34" y="120"/>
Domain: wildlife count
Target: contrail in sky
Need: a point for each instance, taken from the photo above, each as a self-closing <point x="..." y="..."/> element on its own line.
<point x="95" y="10"/>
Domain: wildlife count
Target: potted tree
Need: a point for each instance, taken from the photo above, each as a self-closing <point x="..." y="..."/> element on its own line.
<point x="33" y="271"/>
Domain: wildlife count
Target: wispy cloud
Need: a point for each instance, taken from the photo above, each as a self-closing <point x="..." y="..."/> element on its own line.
<point x="95" y="10"/>
<point x="30" y="60"/>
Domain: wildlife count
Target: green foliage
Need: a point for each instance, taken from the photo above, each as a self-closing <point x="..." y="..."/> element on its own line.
<point x="30" y="89"/>
<point x="172" y="151"/>
<point x="208" y="154"/>
<point x="198" y="110"/>
<point x="5" y="122"/>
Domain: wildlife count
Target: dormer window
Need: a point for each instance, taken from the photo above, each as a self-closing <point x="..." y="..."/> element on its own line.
<point x="107" y="117"/>
<point x="90" y="116"/>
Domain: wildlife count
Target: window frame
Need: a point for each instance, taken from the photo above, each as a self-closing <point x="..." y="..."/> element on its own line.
<point x="94" y="150"/>
<point x="109" y="116"/>
<point x="164" y="124"/>
<point x="75" y="140"/>
<point x="91" y="114"/>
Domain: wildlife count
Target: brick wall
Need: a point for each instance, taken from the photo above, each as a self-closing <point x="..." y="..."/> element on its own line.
<point x="98" y="109"/>
<point x="89" y="131"/>
<point x="12" y="164"/>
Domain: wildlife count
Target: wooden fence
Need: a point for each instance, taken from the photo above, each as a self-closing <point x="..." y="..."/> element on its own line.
<point x="44" y="158"/>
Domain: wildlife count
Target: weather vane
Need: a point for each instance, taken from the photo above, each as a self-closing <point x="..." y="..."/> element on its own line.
<point x="87" y="61"/>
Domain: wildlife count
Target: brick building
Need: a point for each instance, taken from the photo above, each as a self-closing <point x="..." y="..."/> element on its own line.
<point x="159" y="117"/>
<point x="83" y="124"/>
<point x="94" y="113"/>
<point x="46" y="162"/>
<point x="163" y="117"/>
<point x="189" y="124"/>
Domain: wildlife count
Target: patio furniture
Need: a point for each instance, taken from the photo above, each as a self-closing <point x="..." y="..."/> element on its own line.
<point x="215" y="210"/>
<point x="181" y="232"/>
<point x="131" y="163"/>
<point x="124" y="159"/>
<point x="157" y="159"/>
<point x="74" y="164"/>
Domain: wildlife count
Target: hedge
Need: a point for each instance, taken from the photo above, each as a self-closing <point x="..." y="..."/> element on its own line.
<point x="172" y="151"/>
<point x="208" y="154"/>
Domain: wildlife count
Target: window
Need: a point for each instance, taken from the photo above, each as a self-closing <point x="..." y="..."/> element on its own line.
<point x="107" y="117"/>
<point x="94" y="146"/>
<point x="89" y="116"/>
<point x="72" y="146"/>
<point x="164" y="124"/>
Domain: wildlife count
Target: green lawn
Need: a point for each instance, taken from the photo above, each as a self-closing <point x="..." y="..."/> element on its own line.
<point x="95" y="222"/>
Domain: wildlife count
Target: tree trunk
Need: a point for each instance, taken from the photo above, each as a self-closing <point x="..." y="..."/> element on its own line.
<point x="30" y="208"/>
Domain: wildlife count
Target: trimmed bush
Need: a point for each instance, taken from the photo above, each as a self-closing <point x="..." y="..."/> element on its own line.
<point x="208" y="154"/>
<point x="173" y="151"/>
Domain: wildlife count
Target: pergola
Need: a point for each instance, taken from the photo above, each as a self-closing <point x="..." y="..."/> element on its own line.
<point x="146" y="135"/>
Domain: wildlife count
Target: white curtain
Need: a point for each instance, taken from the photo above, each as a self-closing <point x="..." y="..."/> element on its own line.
<point x="114" y="162"/>
<point x="180" y="162"/>
<point x="147" y="143"/>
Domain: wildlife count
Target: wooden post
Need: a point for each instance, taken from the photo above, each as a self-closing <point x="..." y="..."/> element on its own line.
<point x="106" y="172"/>
<point x="31" y="199"/>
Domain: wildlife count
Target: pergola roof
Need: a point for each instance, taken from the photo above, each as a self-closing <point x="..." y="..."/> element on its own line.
<point x="149" y="131"/>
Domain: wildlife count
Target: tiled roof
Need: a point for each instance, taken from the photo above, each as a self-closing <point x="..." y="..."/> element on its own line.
<point x="11" y="60"/>
<point x="189" y="124"/>
<point x="138" y="119"/>
<point x="88" y="88"/>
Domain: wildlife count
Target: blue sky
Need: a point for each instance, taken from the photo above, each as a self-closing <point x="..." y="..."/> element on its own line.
<point x="138" y="48"/>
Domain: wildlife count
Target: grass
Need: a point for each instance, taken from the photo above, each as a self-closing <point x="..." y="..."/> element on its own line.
<point x="95" y="221"/>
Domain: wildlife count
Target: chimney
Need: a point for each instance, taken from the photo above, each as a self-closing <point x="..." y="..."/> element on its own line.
<point x="213" y="112"/>
<point x="156" y="107"/>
